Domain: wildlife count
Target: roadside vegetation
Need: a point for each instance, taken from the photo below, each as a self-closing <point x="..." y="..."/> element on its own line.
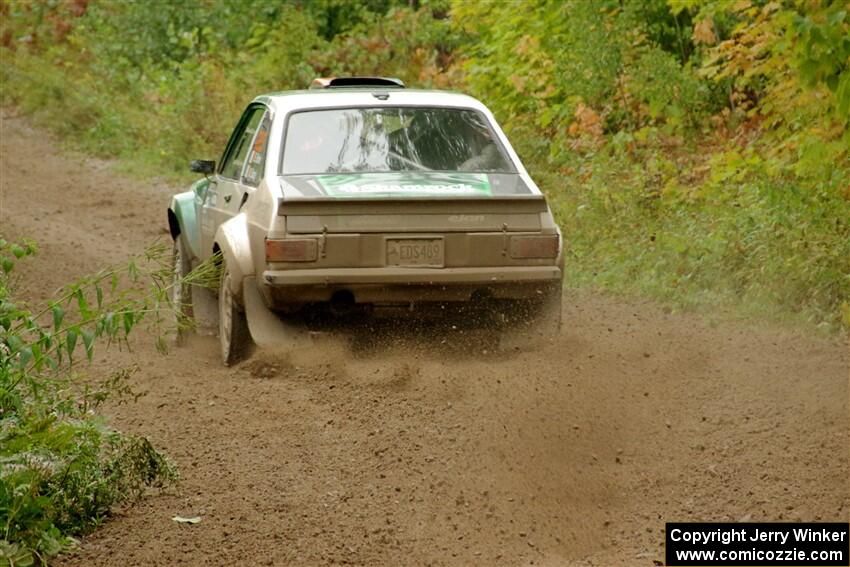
<point x="696" y="151"/>
<point x="62" y="468"/>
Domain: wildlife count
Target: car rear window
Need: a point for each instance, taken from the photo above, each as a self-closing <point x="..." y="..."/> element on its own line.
<point x="366" y="140"/>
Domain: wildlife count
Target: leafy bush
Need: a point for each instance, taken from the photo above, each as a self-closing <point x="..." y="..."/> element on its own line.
<point x="175" y="86"/>
<point x="61" y="467"/>
<point x="695" y="152"/>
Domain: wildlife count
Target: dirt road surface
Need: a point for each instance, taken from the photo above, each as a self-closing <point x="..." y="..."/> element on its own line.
<point x="422" y="453"/>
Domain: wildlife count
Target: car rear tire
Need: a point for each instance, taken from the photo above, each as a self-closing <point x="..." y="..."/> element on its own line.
<point x="233" y="334"/>
<point x="181" y="292"/>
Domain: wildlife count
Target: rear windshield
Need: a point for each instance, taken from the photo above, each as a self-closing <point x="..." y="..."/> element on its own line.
<point x="366" y="140"/>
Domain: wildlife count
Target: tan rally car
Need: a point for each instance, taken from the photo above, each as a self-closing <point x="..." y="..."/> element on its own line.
<point x="359" y="196"/>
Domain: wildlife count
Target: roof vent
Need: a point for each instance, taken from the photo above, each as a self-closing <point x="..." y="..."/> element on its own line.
<point x="353" y="82"/>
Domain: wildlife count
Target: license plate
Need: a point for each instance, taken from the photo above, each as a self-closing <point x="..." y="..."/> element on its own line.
<point x="415" y="252"/>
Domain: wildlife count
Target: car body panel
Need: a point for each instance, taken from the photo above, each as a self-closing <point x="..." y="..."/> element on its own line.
<point x="234" y="243"/>
<point x="184" y="207"/>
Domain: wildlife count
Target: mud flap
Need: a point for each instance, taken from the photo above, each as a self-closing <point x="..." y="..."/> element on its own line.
<point x="266" y="328"/>
<point x="204" y="311"/>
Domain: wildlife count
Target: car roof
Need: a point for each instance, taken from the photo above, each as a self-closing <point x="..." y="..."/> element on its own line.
<point x="289" y="101"/>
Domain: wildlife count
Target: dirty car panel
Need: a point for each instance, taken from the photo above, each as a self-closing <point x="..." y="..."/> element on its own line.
<point x="380" y="199"/>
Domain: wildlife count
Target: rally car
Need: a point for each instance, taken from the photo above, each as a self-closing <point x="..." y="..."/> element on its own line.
<point x="359" y="196"/>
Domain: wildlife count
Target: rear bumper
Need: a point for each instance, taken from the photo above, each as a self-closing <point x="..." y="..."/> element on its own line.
<point x="388" y="285"/>
<point x="432" y="276"/>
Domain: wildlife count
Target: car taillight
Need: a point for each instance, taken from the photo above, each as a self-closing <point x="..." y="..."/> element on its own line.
<point x="535" y="246"/>
<point x="292" y="250"/>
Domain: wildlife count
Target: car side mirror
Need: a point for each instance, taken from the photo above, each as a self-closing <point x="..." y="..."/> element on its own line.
<point x="207" y="167"/>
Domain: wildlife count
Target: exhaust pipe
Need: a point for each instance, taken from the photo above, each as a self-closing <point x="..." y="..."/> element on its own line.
<point x="342" y="303"/>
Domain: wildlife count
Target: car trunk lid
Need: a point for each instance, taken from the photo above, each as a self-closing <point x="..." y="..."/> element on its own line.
<point x="409" y="202"/>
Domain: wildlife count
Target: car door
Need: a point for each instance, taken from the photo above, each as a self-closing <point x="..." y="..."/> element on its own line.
<point x="224" y="197"/>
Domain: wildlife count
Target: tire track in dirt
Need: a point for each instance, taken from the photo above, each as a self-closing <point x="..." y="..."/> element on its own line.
<point x="423" y="453"/>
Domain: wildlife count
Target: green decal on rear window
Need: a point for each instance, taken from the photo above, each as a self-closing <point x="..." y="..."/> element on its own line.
<point x="406" y="184"/>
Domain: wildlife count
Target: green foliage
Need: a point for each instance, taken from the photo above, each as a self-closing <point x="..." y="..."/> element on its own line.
<point x="578" y="54"/>
<point x="696" y="152"/>
<point x="174" y="86"/>
<point x="61" y="467"/>
<point x="411" y="45"/>
<point x="823" y="52"/>
<point x="769" y="243"/>
<point x="335" y="17"/>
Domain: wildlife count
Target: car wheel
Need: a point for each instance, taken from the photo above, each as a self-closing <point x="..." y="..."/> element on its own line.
<point x="180" y="292"/>
<point x="233" y="333"/>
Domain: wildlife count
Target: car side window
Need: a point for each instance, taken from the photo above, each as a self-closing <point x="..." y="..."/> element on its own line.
<point x="257" y="155"/>
<point x="232" y="164"/>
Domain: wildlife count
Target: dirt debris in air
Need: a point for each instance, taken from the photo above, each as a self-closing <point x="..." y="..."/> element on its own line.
<point x="419" y="451"/>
